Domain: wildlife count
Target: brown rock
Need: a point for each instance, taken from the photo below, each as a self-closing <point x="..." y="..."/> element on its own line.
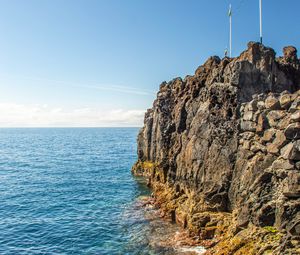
<point x="248" y="115"/>
<point x="268" y="135"/>
<point x="283" y="123"/>
<point x="285" y="101"/>
<point x="274" y="116"/>
<point x="295" y="152"/>
<point x="295" y="105"/>
<point x="262" y="123"/>
<point x="252" y="105"/>
<point x="272" y="103"/>
<point x="248" y="126"/>
<point x="290" y="54"/>
<point x="282" y="163"/>
<point x="256" y="147"/>
<point x="292" y="185"/>
<point x="286" y="151"/>
<point x="295" y="117"/>
<point x="279" y="141"/>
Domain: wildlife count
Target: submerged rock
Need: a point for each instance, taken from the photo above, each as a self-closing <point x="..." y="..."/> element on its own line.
<point x="221" y="151"/>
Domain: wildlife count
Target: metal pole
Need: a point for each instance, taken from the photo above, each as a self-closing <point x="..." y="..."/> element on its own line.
<point x="260" y="21"/>
<point x="230" y="31"/>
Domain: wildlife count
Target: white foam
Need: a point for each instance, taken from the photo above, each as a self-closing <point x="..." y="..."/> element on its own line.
<point x="196" y="249"/>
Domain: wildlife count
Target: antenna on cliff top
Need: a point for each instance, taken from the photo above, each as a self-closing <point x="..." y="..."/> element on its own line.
<point x="260" y="21"/>
<point x="230" y="30"/>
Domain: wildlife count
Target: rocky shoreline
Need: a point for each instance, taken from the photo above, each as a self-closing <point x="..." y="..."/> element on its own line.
<point x="221" y="151"/>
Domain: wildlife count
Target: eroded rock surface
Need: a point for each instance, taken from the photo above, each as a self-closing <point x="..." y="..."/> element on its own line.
<point x="221" y="150"/>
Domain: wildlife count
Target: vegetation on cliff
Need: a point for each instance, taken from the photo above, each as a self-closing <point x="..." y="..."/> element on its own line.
<point x="221" y="150"/>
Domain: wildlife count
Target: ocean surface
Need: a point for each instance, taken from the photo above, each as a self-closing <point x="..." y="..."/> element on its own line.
<point x="70" y="191"/>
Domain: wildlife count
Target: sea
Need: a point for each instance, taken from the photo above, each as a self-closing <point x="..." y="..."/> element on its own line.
<point x="70" y="191"/>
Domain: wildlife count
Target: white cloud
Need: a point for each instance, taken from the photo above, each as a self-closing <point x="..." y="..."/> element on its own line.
<point x="18" y="115"/>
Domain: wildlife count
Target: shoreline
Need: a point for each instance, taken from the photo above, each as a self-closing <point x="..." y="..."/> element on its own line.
<point x="173" y="236"/>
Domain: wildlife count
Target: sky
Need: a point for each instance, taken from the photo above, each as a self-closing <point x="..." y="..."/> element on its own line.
<point x="93" y="63"/>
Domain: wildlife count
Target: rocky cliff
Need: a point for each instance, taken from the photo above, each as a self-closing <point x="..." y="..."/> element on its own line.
<point x="221" y="150"/>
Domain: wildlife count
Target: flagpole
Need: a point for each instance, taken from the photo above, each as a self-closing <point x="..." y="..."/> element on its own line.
<point x="260" y="21"/>
<point x="230" y="31"/>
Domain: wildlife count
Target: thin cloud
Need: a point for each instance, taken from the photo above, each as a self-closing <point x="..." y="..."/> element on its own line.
<point x="92" y="85"/>
<point x="19" y="115"/>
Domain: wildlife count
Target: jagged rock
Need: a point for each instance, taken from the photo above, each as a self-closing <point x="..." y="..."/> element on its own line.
<point x="262" y="122"/>
<point x="292" y="131"/>
<point x="290" y="54"/>
<point x="248" y="115"/>
<point x="279" y="141"/>
<point x="272" y="103"/>
<point x="285" y="101"/>
<point x="295" y="106"/>
<point x="225" y="141"/>
<point x="269" y="135"/>
<point x="282" y="163"/>
<point x="295" y="152"/>
<point x="274" y="117"/>
<point x="286" y="151"/>
<point x="295" y="117"/>
<point x="248" y="126"/>
<point x="292" y="185"/>
<point x="256" y="147"/>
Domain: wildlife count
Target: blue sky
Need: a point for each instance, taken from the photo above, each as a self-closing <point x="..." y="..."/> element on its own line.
<point x="100" y="62"/>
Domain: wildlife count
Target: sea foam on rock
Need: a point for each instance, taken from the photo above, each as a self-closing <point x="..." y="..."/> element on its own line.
<point x="221" y="151"/>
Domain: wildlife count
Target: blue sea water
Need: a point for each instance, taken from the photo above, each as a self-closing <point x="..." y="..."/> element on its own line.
<point x="70" y="191"/>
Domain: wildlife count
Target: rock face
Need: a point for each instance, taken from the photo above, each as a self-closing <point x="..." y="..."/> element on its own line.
<point x="221" y="150"/>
